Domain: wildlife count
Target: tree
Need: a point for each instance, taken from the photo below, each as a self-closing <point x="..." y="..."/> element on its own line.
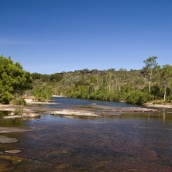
<point x="36" y="76"/>
<point x="13" y="79"/>
<point x="55" y="77"/>
<point x="151" y="64"/>
<point x="166" y="78"/>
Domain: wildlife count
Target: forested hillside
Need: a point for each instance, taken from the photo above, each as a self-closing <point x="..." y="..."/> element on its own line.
<point x="152" y="82"/>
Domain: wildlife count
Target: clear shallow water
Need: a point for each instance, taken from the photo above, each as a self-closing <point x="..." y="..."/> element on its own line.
<point x="67" y="102"/>
<point x="132" y="142"/>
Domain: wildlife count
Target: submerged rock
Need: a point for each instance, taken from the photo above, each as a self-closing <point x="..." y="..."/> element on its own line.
<point x="12" y="117"/>
<point x="12" y="130"/>
<point x="4" y="139"/>
<point x="31" y="115"/>
<point x="13" y="151"/>
<point x="24" y="115"/>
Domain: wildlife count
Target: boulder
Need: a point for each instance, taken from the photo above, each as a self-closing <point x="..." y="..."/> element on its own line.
<point x="4" y="139"/>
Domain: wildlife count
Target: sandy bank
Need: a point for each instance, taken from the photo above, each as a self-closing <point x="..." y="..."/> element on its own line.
<point x="30" y="101"/>
<point x="58" y="96"/>
<point x="158" y="105"/>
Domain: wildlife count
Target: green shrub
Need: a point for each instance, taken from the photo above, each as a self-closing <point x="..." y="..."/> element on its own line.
<point x="137" y="97"/>
<point x="19" y="111"/>
<point x="6" y="97"/>
<point x="18" y="101"/>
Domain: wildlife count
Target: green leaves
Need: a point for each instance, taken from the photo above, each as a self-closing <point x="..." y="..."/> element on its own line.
<point x="13" y="79"/>
<point x="137" y="97"/>
<point x="134" y="86"/>
<point x="42" y="93"/>
<point x="6" y="97"/>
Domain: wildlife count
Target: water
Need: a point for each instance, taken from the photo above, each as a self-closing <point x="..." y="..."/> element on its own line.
<point x="67" y="102"/>
<point x="131" y="142"/>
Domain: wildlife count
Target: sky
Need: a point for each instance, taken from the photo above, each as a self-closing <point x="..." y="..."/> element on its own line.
<point x="51" y="36"/>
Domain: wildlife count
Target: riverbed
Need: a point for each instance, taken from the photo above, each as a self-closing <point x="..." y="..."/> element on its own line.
<point x="129" y="142"/>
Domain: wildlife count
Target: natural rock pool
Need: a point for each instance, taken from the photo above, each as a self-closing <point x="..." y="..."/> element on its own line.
<point x="131" y="142"/>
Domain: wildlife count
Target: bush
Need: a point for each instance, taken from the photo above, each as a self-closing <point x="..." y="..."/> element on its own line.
<point x="19" y="111"/>
<point x="137" y="97"/>
<point x="6" y="97"/>
<point x="13" y="79"/>
<point x="42" y="94"/>
<point x="18" y="101"/>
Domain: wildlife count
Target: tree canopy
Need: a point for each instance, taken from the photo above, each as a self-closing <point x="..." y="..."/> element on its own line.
<point x="151" y="83"/>
<point x="13" y="79"/>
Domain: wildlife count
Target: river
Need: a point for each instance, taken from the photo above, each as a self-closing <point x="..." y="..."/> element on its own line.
<point x="130" y="143"/>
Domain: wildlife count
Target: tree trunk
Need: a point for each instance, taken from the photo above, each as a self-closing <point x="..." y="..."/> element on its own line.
<point x="149" y="86"/>
<point x="165" y="92"/>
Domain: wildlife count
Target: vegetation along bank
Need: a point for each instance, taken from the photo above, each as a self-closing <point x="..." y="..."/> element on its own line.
<point x="151" y="83"/>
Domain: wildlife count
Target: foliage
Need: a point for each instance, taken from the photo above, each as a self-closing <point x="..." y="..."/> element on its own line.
<point x="137" y="97"/>
<point x="43" y="93"/>
<point x="166" y="79"/>
<point x="18" y="101"/>
<point x="135" y="86"/>
<point x="55" y="77"/>
<point x="150" y="83"/>
<point x="47" y="78"/>
<point x="6" y="97"/>
<point x="19" y="111"/>
<point x="13" y="79"/>
<point x="151" y="66"/>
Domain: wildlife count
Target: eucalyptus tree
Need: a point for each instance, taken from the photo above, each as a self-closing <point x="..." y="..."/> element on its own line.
<point x="110" y="77"/>
<point x="166" y="78"/>
<point x="150" y="66"/>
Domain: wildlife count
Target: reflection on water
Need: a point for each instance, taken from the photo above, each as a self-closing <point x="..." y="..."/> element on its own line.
<point x="9" y="122"/>
<point x="67" y="102"/>
<point x="131" y="142"/>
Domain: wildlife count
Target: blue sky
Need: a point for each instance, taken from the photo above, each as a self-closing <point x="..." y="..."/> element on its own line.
<point x="49" y="36"/>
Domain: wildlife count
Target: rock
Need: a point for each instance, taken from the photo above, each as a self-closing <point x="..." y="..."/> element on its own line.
<point x="13" y="151"/>
<point x="68" y="116"/>
<point x="72" y="112"/>
<point x="31" y="115"/>
<point x="12" y="113"/>
<point x="4" y="139"/>
<point x="12" y="117"/>
<point x="12" y="130"/>
<point x="30" y="101"/>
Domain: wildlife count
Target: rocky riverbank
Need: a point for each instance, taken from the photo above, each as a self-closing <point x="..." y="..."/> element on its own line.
<point x="31" y="101"/>
<point x="151" y="104"/>
<point x="97" y="111"/>
<point x="92" y="110"/>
